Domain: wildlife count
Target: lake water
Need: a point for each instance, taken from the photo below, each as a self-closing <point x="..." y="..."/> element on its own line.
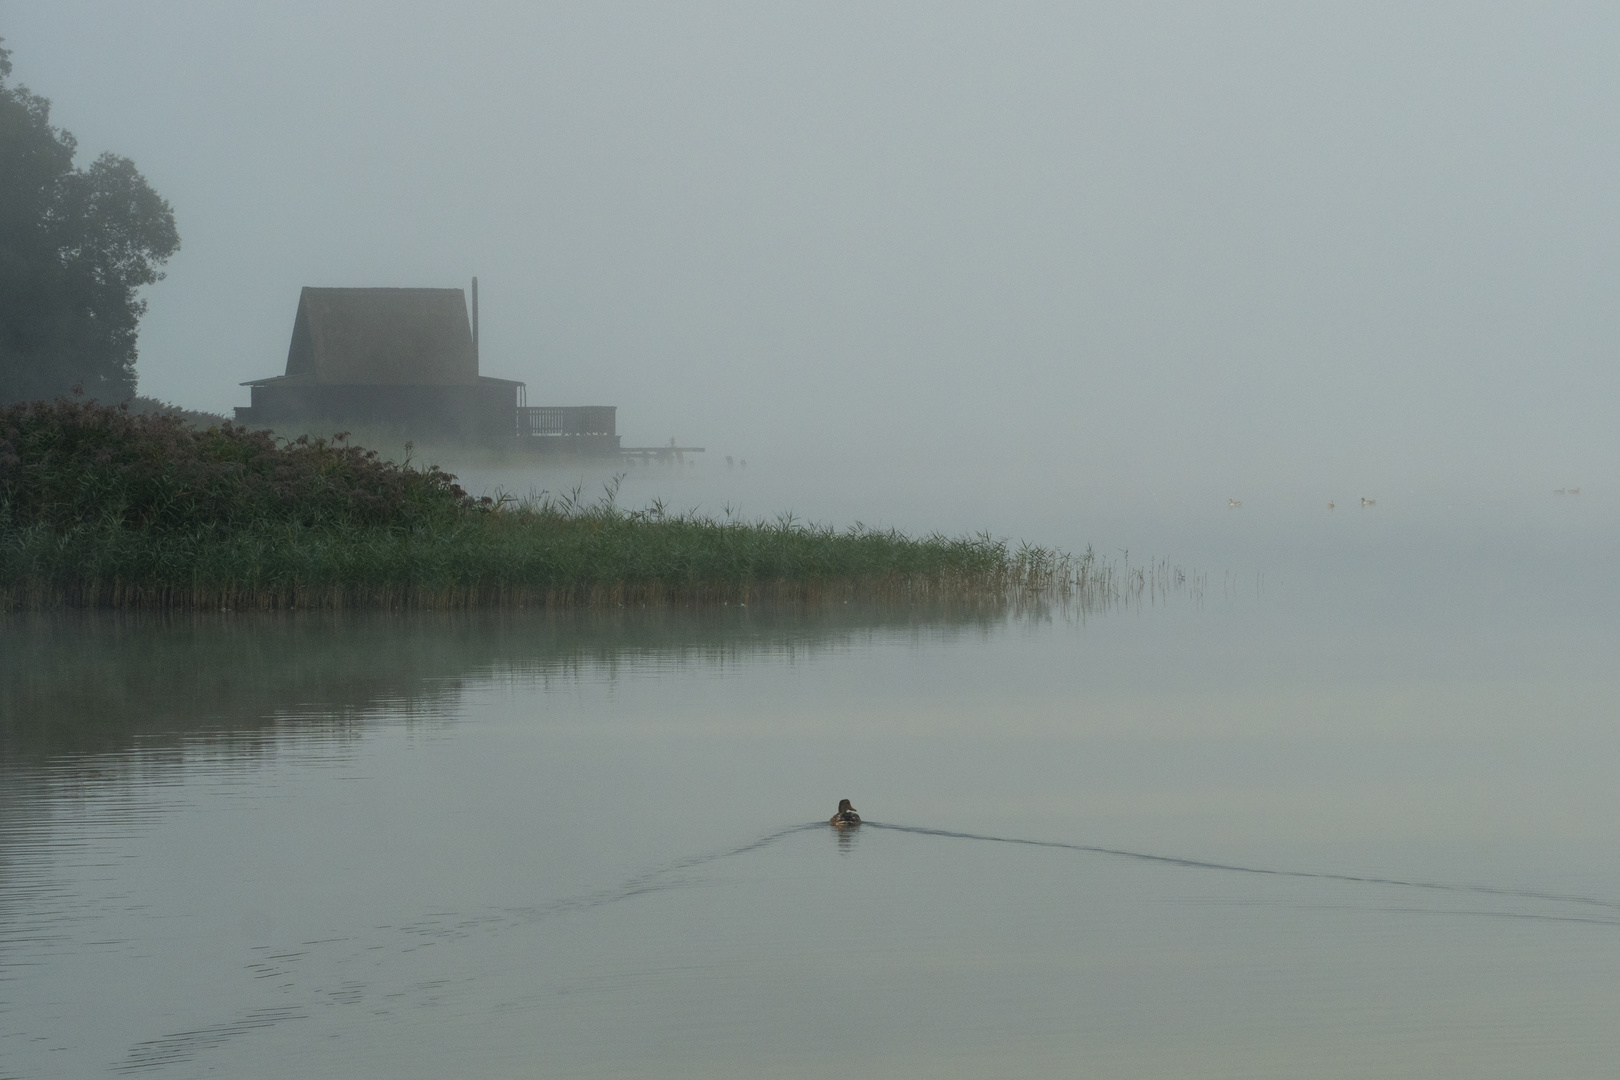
<point x="1349" y="810"/>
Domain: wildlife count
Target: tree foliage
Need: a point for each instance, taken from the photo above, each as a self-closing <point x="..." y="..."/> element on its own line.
<point x="75" y="245"/>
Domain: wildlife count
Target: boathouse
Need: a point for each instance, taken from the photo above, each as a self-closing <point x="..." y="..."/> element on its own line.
<point x="405" y="359"/>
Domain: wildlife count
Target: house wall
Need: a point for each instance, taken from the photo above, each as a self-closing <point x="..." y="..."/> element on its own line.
<point x="468" y="413"/>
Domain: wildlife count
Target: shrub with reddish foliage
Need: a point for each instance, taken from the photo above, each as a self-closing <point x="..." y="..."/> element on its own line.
<point x="65" y="464"/>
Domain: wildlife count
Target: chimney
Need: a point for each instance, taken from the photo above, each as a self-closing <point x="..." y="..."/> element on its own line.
<point x="475" y="326"/>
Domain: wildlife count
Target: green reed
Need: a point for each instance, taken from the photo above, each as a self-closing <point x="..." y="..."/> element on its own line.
<point x="509" y="556"/>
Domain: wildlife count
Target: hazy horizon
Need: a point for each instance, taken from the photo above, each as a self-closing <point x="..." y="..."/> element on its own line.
<point x="1141" y="247"/>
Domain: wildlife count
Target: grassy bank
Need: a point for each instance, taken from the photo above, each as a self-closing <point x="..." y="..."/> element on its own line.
<point x="102" y="508"/>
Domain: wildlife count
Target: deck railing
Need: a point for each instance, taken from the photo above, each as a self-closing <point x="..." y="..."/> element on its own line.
<point x="567" y="420"/>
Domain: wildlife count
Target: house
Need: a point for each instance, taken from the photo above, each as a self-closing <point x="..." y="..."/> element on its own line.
<point x="405" y="359"/>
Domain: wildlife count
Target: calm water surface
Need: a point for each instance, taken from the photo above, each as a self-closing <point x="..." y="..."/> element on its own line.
<point x="1351" y="811"/>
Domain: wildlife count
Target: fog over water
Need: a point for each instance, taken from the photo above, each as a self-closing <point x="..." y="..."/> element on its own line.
<point x="1104" y="249"/>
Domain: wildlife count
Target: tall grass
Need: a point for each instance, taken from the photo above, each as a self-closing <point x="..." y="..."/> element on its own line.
<point x="99" y="508"/>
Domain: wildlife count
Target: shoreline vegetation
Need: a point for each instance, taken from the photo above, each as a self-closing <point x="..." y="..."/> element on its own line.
<point x="101" y="507"/>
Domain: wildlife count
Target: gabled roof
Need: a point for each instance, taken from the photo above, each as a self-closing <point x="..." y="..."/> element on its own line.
<point x="400" y="337"/>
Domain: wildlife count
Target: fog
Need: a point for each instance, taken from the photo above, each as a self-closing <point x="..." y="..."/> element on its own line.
<point x="1338" y="802"/>
<point x="1080" y="250"/>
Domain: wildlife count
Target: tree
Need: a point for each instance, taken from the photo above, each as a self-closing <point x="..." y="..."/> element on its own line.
<point x="75" y="245"/>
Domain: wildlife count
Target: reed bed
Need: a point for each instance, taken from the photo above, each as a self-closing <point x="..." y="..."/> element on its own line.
<point x="100" y="508"/>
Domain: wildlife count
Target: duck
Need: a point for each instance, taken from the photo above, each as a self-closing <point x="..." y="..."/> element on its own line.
<point x="846" y="818"/>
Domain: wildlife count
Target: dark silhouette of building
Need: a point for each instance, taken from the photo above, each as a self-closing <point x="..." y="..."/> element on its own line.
<point x="406" y="359"/>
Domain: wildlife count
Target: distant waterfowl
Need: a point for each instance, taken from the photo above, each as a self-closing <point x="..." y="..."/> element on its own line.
<point x="846" y="818"/>
<point x="1369" y="502"/>
<point x="1233" y="504"/>
<point x="1330" y="504"/>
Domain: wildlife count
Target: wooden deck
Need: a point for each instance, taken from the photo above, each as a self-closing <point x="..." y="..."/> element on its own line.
<point x="588" y="431"/>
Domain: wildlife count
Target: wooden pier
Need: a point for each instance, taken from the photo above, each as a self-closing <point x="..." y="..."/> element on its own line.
<point x="664" y="455"/>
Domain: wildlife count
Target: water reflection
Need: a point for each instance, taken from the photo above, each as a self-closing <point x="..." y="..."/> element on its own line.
<point x="83" y="684"/>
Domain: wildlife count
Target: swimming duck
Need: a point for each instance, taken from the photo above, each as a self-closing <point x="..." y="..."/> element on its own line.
<point x="846" y="818"/>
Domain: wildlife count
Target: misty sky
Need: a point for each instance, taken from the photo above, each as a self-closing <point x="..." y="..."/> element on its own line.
<point x="1242" y="245"/>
